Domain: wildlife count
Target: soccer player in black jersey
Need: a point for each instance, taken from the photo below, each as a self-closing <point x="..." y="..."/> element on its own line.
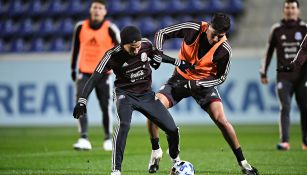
<point x="130" y="62"/>
<point x="285" y="38"/>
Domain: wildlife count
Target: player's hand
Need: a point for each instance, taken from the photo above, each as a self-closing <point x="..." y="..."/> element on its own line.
<point x="79" y="110"/>
<point x="73" y="75"/>
<point x="264" y="80"/>
<point x="286" y="68"/>
<point x="183" y="66"/>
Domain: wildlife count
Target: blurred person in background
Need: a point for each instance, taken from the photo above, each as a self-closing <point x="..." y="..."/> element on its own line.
<point x="205" y="46"/>
<point x="300" y="64"/>
<point x="131" y="62"/>
<point x="91" y="39"/>
<point x="286" y="37"/>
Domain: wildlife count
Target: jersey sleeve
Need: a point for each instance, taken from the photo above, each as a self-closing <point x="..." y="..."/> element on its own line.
<point x="301" y="56"/>
<point x="266" y="60"/>
<point x="75" y="46"/>
<point x="114" y="33"/>
<point x="186" y="30"/>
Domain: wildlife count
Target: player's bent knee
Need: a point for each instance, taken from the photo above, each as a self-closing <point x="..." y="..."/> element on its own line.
<point x="164" y="100"/>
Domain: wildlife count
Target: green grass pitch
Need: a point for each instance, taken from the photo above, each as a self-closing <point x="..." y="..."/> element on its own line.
<point x="48" y="150"/>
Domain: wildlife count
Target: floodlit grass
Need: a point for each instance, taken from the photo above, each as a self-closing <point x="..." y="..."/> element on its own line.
<point x="48" y="150"/>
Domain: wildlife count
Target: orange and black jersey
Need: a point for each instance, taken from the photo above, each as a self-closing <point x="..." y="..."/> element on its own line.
<point x="133" y="73"/>
<point x="105" y="35"/>
<point x="285" y="37"/>
<point x="193" y="33"/>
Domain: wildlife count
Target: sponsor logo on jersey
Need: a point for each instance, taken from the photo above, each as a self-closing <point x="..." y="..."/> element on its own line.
<point x="298" y="36"/>
<point x="144" y="57"/>
<point x="93" y="42"/>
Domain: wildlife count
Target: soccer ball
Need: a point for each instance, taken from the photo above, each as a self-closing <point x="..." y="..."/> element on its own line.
<point x="182" y="168"/>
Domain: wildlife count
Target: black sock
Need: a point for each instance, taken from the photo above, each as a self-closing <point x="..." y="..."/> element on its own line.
<point x="239" y="155"/>
<point x="84" y="136"/>
<point x="155" y="143"/>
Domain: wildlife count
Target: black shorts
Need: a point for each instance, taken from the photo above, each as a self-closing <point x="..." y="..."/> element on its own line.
<point x="203" y="95"/>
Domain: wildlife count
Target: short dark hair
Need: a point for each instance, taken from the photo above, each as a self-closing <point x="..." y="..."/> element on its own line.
<point x="103" y="2"/>
<point x="293" y="1"/>
<point x="220" y="22"/>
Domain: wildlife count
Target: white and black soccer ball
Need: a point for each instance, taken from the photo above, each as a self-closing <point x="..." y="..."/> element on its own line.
<point x="182" y="168"/>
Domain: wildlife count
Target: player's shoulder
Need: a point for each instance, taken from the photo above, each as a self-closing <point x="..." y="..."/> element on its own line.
<point x="114" y="50"/>
<point x="225" y="48"/>
<point x="276" y="26"/>
<point x="303" y="24"/>
<point x="146" y="42"/>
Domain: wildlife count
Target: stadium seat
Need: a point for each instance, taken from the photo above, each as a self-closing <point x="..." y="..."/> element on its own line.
<point x="2" y="46"/>
<point x="75" y="7"/>
<point x="9" y="27"/>
<point x="37" y="7"/>
<point x="38" y="45"/>
<point x="125" y="21"/>
<point x="136" y="6"/>
<point x="157" y="6"/>
<point x="47" y="27"/>
<point x="231" y="6"/>
<point x="4" y="7"/>
<point x="58" y="44"/>
<point x="148" y="25"/>
<point x="117" y="6"/>
<point x="66" y="26"/>
<point x="18" y="45"/>
<point x="18" y="7"/>
<point x="178" y="6"/>
<point x="203" y="6"/>
<point x="57" y="7"/>
<point x="167" y="21"/>
<point x="27" y="27"/>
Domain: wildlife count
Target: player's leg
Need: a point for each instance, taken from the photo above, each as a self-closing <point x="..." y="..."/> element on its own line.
<point x="103" y="91"/>
<point x="154" y="110"/>
<point x="124" y="113"/>
<point x="284" y="93"/>
<point x="167" y="98"/>
<point x="83" y="143"/>
<point x="301" y="98"/>
<point x="209" y="100"/>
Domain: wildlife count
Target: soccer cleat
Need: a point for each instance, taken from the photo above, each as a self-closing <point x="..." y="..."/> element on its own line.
<point x="304" y="147"/>
<point x="284" y="146"/>
<point x="82" y="144"/>
<point x="107" y="145"/>
<point x="156" y="156"/>
<point x="177" y="159"/>
<point x="246" y="168"/>
<point x="116" y="172"/>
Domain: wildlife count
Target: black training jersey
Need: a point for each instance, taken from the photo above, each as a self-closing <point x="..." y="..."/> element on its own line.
<point x="286" y="37"/>
<point x="133" y="73"/>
